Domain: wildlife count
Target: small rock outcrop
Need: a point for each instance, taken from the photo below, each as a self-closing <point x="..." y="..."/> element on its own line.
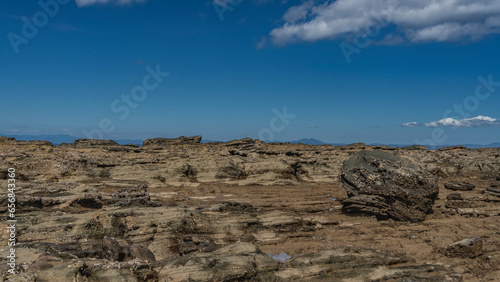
<point x="160" y="142"/>
<point x="459" y="185"/>
<point x="90" y="143"/>
<point x="494" y="189"/>
<point x="416" y="147"/>
<point x="466" y="248"/>
<point x="388" y="186"/>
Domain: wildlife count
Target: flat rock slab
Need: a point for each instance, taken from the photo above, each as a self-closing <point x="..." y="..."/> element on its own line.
<point x="388" y="186"/>
<point x="459" y="185"/>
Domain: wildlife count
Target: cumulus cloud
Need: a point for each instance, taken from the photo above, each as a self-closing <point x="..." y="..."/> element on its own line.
<point x="413" y="21"/>
<point x="83" y="3"/>
<point x="479" y="121"/>
<point x="410" y="124"/>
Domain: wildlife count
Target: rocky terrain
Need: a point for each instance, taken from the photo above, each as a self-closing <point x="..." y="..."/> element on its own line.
<point x="244" y="210"/>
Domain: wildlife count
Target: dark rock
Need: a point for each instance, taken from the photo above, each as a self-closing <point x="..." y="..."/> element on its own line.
<point x="160" y="142"/>
<point x="416" y="147"/>
<point x="87" y="201"/>
<point x="388" y="186"/>
<point x="459" y="185"/>
<point x="466" y="248"/>
<point x="454" y="196"/>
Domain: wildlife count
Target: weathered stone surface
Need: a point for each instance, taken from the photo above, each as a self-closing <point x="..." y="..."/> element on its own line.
<point x="459" y="185"/>
<point x="467" y="248"/>
<point x="204" y="198"/>
<point x="388" y="186"/>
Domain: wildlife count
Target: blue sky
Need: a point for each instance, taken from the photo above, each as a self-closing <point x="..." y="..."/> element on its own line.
<point x="226" y="76"/>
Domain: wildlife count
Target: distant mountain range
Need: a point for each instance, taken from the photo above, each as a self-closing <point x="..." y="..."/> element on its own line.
<point x="65" y="138"/>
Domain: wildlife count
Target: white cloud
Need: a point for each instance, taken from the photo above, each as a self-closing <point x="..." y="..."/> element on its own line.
<point x="414" y="21"/>
<point x="261" y="44"/>
<point x="410" y="124"/>
<point x="83" y="3"/>
<point x="479" y="121"/>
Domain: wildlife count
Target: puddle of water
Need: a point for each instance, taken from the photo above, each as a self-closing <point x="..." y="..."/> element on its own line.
<point x="281" y="257"/>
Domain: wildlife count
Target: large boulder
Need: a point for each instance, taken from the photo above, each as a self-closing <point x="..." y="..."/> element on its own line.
<point x="388" y="186"/>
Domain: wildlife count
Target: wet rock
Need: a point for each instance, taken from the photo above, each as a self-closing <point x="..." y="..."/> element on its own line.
<point x="459" y="185"/>
<point x="388" y="186"/>
<point x="466" y="248"/>
<point x="162" y="142"/>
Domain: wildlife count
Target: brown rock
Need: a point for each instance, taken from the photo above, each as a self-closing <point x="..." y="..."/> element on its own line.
<point x="388" y="186"/>
<point x="466" y="248"/>
<point x="161" y="142"/>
